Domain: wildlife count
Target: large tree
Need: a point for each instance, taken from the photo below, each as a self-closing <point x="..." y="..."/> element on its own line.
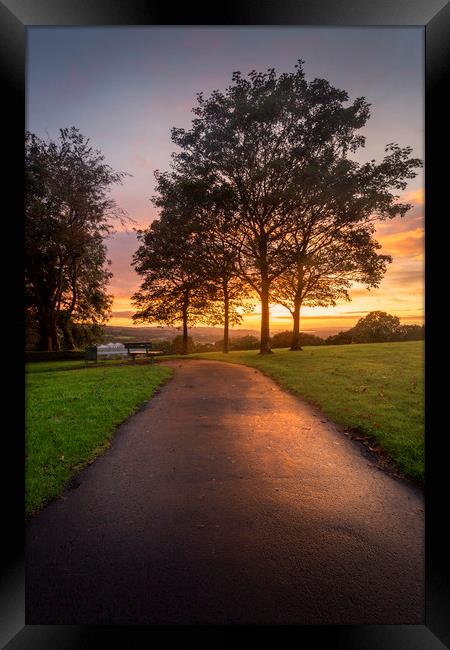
<point x="68" y="213"/>
<point x="173" y="291"/>
<point x="199" y="220"/>
<point x="321" y="273"/>
<point x="279" y="148"/>
<point x="376" y="327"/>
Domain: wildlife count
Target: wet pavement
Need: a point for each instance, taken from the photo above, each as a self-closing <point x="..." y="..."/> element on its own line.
<point x="226" y="500"/>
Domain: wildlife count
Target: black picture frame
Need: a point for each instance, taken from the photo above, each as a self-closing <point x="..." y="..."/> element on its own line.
<point x="15" y="17"/>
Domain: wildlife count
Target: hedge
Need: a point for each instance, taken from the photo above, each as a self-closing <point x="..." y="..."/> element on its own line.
<point x="62" y="355"/>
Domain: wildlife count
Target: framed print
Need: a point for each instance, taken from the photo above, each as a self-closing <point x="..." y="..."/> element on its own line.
<point x="212" y="514"/>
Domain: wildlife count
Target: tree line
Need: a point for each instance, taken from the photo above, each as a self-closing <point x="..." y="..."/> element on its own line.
<point x="264" y="202"/>
<point x="375" y="327"/>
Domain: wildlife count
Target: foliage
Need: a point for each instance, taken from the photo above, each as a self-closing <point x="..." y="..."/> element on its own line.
<point x="284" y="339"/>
<point x="68" y="214"/>
<point x="410" y="333"/>
<point x="174" y="291"/>
<point x="341" y="338"/>
<point x="203" y="284"/>
<point x="323" y="269"/>
<point x="177" y="345"/>
<point x="273" y="155"/>
<point x="86" y="334"/>
<point x="37" y="356"/>
<point x="204" y="347"/>
<point x="378" y="327"/>
<point x="247" y="342"/>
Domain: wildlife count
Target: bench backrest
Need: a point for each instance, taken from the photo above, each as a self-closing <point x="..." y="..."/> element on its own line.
<point x="139" y="345"/>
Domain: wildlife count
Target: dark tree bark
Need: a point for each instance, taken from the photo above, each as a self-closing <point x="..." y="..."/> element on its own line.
<point x="184" y="348"/>
<point x="295" y="345"/>
<point x="66" y="328"/>
<point x="226" y="323"/>
<point x="265" y="288"/>
<point x="265" y="324"/>
<point x="48" y="335"/>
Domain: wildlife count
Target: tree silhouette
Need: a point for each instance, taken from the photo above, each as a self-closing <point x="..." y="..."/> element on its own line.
<point x="278" y="148"/>
<point x="200" y="225"/>
<point x="321" y="272"/>
<point x="68" y="213"/>
<point x="173" y="291"/>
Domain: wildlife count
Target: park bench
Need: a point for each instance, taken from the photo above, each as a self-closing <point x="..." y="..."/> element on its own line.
<point x="106" y="351"/>
<point x="142" y="348"/>
<point x="111" y="350"/>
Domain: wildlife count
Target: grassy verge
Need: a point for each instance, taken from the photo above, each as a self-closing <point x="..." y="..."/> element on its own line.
<point x="375" y="389"/>
<point x="70" y="417"/>
<point x="76" y="364"/>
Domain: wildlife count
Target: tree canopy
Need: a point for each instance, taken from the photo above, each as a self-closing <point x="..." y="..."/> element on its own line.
<point x="188" y="271"/>
<point x="68" y="214"/>
<point x="275" y="155"/>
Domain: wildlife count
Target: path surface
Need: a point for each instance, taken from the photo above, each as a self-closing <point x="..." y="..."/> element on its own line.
<point x="227" y="500"/>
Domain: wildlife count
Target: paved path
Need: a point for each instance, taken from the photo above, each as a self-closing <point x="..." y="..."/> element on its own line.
<point x="227" y="500"/>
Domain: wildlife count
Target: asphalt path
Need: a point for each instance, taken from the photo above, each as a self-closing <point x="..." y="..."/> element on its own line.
<point x="226" y="500"/>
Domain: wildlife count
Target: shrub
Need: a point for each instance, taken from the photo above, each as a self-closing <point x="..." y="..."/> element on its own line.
<point x="177" y="345"/>
<point x="284" y="339"/>
<point x="56" y="355"/>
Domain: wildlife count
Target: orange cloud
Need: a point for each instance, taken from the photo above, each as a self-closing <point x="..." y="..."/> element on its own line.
<point x="415" y="196"/>
<point x="404" y="244"/>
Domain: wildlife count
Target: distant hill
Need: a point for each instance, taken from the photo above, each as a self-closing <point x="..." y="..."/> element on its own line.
<point x="116" y="333"/>
<point x="199" y="334"/>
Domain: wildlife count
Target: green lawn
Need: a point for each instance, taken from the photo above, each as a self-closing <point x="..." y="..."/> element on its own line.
<point x="73" y="364"/>
<point x="376" y="389"/>
<point x="70" y="417"/>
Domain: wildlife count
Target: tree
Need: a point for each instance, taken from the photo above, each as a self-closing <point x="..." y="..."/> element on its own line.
<point x="278" y="148"/>
<point x="189" y="201"/>
<point x="68" y="214"/>
<point x="173" y="292"/>
<point x="87" y="304"/>
<point x="376" y="327"/>
<point x="321" y="273"/>
<point x="411" y="333"/>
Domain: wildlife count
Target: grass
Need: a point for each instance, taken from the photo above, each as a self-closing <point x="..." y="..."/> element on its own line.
<point x="70" y="417"/>
<point x="374" y="389"/>
<point x="71" y="364"/>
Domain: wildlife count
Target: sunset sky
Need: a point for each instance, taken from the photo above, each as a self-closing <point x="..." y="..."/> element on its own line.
<point x="126" y="87"/>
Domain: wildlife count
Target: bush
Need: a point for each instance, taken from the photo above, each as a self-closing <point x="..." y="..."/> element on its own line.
<point x="204" y="347"/>
<point x="342" y="338"/>
<point x="163" y="345"/>
<point x="378" y="327"/>
<point x="284" y="339"/>
<point x="61" y="355"/>
<point x="177" y="345"/>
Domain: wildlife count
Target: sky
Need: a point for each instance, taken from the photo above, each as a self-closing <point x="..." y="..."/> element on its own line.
<point x="126" y="87"/>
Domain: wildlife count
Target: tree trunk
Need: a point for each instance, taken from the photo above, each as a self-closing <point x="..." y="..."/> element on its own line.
<point x="66" y="327"/>
<point x="265" y="324"/>
<point x="184" y="346"/>
<point x="295" y="345"/>
<point x="264" y="347"/>
<point x="226" y="321"/>
<point x="48" y="335"/>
